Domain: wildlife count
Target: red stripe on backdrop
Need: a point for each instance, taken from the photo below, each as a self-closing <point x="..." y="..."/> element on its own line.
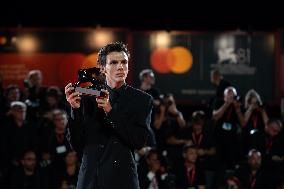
<point x="57" y="68"/>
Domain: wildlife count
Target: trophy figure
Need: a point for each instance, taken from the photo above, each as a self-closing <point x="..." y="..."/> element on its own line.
<point x="92" y="76"/>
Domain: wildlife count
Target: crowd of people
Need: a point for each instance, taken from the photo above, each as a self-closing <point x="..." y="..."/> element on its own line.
<point x="232" y="143"/>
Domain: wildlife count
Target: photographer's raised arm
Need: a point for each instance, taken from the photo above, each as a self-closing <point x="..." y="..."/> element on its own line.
<point x="248" y="112"/>
<point x="159" y="117"/>
<point x="217" y="114"/>
<point x="264" y="115"/>
<point x="239" y="113"/>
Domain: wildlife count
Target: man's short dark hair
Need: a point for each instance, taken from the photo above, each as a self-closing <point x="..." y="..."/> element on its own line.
<point x="111" y="47"/>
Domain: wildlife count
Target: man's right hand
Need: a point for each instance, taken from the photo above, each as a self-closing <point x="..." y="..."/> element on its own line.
<point x="73" y="97"/>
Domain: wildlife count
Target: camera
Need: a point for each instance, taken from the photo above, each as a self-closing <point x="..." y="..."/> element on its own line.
<point x="237" y="98"/>
<point x="93" y="76"/>
<point x="166" y="100"/>
<point x="259" y="104"/>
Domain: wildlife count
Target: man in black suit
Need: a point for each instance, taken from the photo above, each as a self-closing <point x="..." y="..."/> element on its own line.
<point x="109" y="129"/>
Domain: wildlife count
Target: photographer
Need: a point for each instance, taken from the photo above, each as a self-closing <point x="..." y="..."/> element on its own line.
<point x="228" y="120"/>
<point x="34" y="91"/>
<point x="168" y="110"/>
<point x="34" y="94"/>
<point x="147" y="79"/>
<point x="168" y="121"/>
<point x="255" y="116"/>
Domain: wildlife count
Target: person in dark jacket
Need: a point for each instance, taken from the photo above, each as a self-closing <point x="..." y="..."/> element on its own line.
<point x="110" y="128"/>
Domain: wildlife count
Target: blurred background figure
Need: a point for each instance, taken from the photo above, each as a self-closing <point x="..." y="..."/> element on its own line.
<point x="33" y="87"/>
<point x="28" y="175"/>
<point x="220" y="85"/>
<point x="190" y="175"/>
<point x="34" y="93"/>
<point x="168" y="121"/>
<point x="270" y="144"/>
<point x="204" y="141"/>
<point x="255" y="117"/>
<point x="11" y="93"/>
<point x="147" y="79"/>
<point x="153" y="172"/>
<point x="228" y="119"/>
<point x="68" y="174"/>
<point x="54" y="145"/>
<point x="219" y="82"/>
<point x="17" y="135"/>
<point x="250" y="174"/>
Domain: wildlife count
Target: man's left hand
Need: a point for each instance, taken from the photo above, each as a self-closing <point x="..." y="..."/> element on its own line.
<point x="103" y="102"/>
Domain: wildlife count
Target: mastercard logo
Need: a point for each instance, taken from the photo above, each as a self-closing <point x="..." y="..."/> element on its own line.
<point x="176" y="60"/>
<point x="3" y="40"/>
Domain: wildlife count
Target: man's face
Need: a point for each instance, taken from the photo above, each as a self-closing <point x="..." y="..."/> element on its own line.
<point x="191" y="155"/>
<point x="272" y="129"/>
<point x="71" y="158"/>
<point x="214" y="79"/>
<point x="253" y="100"/>
<point x="254" y="161"/>
<point x="150" y="78"/>
<point x="29" y="161"/>
<point x="36" y="80"/>
<point x="51" y="101"/>
<point x="14" y="95"/>
<point x="197" y="127"/>
<point x="60" y="121"/>
<point x="229" y="95"/>
<point x="19" y="113"/>
<point x="116" y="68"/>
<point x="153" y="161"/>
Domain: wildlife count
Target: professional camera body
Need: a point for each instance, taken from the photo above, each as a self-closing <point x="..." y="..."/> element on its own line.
<point x="166" y="99"/>
<point x="238" y="98"/>
<point x="92" y="76"/>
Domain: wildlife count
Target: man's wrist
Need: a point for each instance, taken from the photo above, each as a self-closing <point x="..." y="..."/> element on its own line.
<point x="177" y="114"/>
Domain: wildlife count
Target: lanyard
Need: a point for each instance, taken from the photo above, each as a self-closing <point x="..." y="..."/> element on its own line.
<point x="197" y="138"/>
<point x="229" y="113"/>
<point x="190" y="175"/>
<point x="252" y="181"/>
<point x="254" y="121"/>
<point x="154" y="183"/>
<point x="269" y="143"/>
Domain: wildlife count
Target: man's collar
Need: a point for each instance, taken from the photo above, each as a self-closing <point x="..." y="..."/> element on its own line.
<point x="118" y="90"/>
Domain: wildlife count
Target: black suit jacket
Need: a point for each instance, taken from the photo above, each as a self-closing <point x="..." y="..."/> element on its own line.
<point x="108" y="141"/>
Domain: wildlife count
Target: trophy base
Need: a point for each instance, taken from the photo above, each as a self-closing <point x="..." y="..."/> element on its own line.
<point x="86" y="91"/>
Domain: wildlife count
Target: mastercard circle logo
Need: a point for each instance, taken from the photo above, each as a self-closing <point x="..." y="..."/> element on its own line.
<point x="177" y="60"/>
<point x="3" y="40"/>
